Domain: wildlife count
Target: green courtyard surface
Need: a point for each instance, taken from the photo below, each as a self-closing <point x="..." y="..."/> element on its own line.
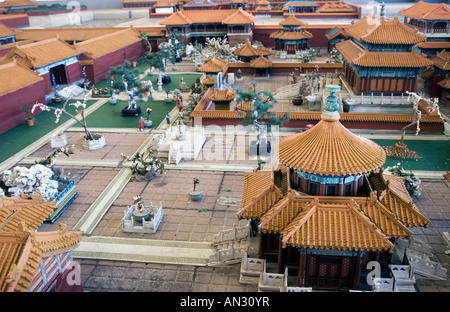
<point x="16" y="139"/>
<point x="435" y="155"/>
<point x="110" y="116"/>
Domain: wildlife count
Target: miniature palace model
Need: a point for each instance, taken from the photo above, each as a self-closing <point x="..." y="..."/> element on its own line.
<point x="327" y="208"/>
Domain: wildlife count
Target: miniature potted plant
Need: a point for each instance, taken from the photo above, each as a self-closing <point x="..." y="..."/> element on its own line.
<point x="302" y="92"/>
<point x="195" y="194"/>
<point x="144" y="166"/>
<point x="29" y="118"/>
<point x="148" y="123"/>
<point x="140" y="212"/>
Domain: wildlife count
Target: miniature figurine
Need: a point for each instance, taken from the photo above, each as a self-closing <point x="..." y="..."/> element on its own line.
<point x="168" y="118"/>
<point x="141" y="124"/>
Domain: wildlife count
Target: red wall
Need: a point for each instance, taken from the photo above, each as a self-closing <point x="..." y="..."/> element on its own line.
<point x="73" y="72"/>
<point x="16" y="21"/>
<point x="11" y="104"/>
<point x="99" y="70"/>
<point x="47" y="83"/>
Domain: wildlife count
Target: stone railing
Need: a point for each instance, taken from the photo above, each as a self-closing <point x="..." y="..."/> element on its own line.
<point x="238" y="232"/>
<point x="273" y="281"/>
<point x="129" y="225"/>
<point x="229" y="255"/>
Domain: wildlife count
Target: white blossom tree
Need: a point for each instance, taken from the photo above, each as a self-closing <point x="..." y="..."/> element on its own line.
<point x="79" y="109"/>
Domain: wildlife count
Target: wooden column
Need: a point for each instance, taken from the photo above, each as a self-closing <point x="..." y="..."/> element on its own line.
<point x="355" y="188"/>
<point x="341" y="189"/>
<point x="322" y="189"/>
<point x="302" y="270"/>
<point x="280" y="257"/>
<point x="305" y="186"/>
<point x="356" y="271"/>
<point x="260" y="248"/>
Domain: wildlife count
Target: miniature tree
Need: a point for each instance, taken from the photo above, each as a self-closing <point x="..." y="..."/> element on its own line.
<point x="399" y="150"/>
<point x="126" y="72"/>
<point x="412" y="181"/>
<point x="196" y="182"/>
<point x="261" y="103"/>
<point x="144" y="164"/>
<point x="49" y="161"/>
<point x="78" y="105"/>
<point x="144" y="37"/>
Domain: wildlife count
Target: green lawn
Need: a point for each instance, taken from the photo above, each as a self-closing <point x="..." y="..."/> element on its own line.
<point x="110" y="116"/>
<point x="189" y="79"/>
<point x="435" y="155"/>
<point x="16" y="139"/>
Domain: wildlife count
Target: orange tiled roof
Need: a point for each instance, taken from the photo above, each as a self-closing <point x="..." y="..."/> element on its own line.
<point x="442" y="60"/>
<point x="14" y="76"/>
<point x="246" y="50"/>
<point x="261" y="62"/>
<point x="223" y="95"/>
<point x="353" y="53"/>
<point x="263" y="2"/>
<point x="397" y="199"/>
<point x="165" y="3"/>
<point x="445" y="83"/>
<point x="22" y="250"/>
<point x="342" y="227"/>
<point x="214" y="65"/>
<point x="291" y="20"/>
<point x="39" y="54"/>
<point x="5" y="31"/>
<point x="65" y="34"/>
<point x="239" y="17"/>
<point x="244" y="106"/>
<point x="108" y="43"/>
<point x="259" y="194"/>
<point x="427" y="11"/>
<point x="380" y="31"/>
<point x="32" y="212"/>
<point x="434" y="45"/>
<point x="17" y="3"/>
<point x="209" y="80"/>
<point x="330" y="149"/>
<point x="137" y="1"/>
<point x="291" y="35"/>
<point x="336" y="7"/>
<point x="182" y="17"/>
<point x="304" y="4"/>
<point x="340" y="32"/>
<point x="264" y="51"/>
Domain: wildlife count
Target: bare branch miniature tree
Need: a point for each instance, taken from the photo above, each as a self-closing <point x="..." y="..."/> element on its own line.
<point x="399" y="150"/>
<point x="59" y="111"/>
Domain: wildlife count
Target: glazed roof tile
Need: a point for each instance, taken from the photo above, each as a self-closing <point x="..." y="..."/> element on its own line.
<point x="291" y="35"/>
<point x="442" y="60"/>
<point x="445" y="83"/>
<point x="336" y="7"/>
<point x="65" y="34"/>
<point x="353" y="53"/>
<point x="330" y="149"/>
<point x="14" y="76"/>
<point x="39" y="54"/>
<point x="17" y="3"/>
<point x="427" y="11"/>
<point x="187" y="17"/>
<point x="342" y="227"/>
<point x="301" y="4"/>
<point x="209" y="80"/>
<point x="32" y="212"/>
<point x="214" y="65"/>
<point x="223" y="95"/>
<point x="22" y="251"/>
<point x="5" y="31"/>
<point x="291" y="20"/>
<point x="261" y="62"/>
<point x="259" y="194"/>
<point x="246" y="50"/>
<point x="336" y="33"/>
<point x="99" y="46"/>
<point x="380" y="30"/>
<point x="434" y="45"/>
